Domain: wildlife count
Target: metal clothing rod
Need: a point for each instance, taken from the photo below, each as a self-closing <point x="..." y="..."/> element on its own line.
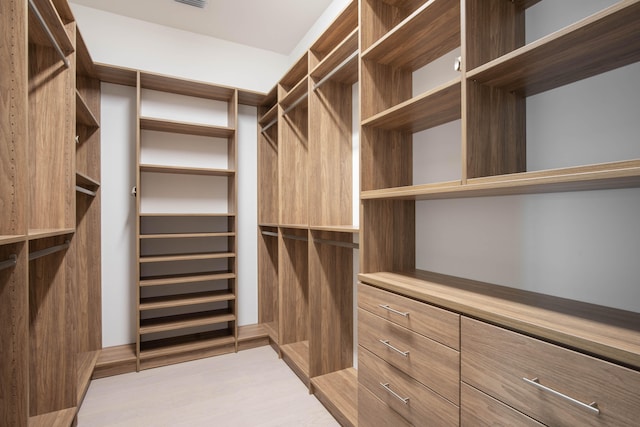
<point x="271" y="123"/>
<point x="294" y="237"/>
<point x="338" y="243"/>
<point x="48" y="251"/>
<point x="295" y="103"/>
<point x="335" y="70"/>
<point x="270" y="233"/>
<point x="85" y="191"/>
<point x="44" y="25"/>
<point x="13" y="260"/>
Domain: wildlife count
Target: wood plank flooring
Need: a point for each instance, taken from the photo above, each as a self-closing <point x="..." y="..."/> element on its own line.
<point x="249" y="388"/>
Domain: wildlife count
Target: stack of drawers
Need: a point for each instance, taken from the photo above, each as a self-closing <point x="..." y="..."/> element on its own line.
<point x="408" y="361"/>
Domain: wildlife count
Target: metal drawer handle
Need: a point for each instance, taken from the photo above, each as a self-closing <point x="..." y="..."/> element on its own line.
<point x="401" y="313"/>
<point x="593" y="406"/>
<point x="404" y="400"/>
<point x="386" y="342"/>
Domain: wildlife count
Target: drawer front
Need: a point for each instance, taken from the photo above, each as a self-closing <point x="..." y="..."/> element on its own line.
<point x="478" y="409"/>
<point x="498" y="361"/>
<point x="404" y="394"/>
<point x="438" y="324"/>
<point x="433" y="364"/>
<point x="374" y="412"/>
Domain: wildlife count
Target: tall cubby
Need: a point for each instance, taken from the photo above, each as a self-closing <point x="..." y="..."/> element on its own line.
<point x="308" y="235"/>
<point x="51" y="324"/>
<point x="186" y="204"/>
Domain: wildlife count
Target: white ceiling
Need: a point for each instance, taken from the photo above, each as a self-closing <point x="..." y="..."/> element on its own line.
<point x="276" y="25"/>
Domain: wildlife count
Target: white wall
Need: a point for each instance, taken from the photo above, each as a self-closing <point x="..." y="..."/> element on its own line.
<point x="127" y="42"/>
<point x="578" y="245"/>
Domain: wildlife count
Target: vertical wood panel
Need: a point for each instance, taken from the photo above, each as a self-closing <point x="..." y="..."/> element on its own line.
<point x="268" y="281"/>
<point x="293" y="261"/>
<point x="293" y="164"/>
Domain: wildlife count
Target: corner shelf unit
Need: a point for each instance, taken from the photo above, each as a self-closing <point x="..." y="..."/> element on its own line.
<point x="187" y="158"/>
<point x="305" y="215"/>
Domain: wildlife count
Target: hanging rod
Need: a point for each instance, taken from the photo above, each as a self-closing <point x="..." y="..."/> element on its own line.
<point x="335" y="70"/>
<point x="270" y="233"/>
<point x="85" y="191"/>
<point x="295" y="103"/>
<point x="338" y="243"/>
<point x="44" y="25"/>
<point x="13" y="260"/>
<point x="268" y="125"/>
<point x="48" y="251"/>
<point x="294" y="237"/>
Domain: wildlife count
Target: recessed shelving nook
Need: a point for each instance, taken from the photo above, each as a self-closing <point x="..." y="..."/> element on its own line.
<point x="480" y="118"/>
<point x="186" y="201"/>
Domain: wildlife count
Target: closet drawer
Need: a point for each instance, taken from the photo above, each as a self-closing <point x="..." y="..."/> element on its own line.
<point x="404" y="394"/>
<point x="374" y="412"/>
<point x="433" y="364"/>
<point x="499" y="362"/>
<point x="438" y="324"/>
<point x="477" y="409"/>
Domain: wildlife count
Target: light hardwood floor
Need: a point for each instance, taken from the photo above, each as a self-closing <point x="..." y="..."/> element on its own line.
<point x="250" y="388"/>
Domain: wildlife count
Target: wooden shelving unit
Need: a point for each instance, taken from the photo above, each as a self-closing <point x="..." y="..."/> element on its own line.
<point x="498" y="71"/>
<point x="338" y="392"/>
<point x="187" y="259"/>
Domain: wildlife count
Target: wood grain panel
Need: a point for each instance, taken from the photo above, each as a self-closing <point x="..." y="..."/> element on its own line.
<point x="296" y="73"/>
<point x="478" y="409"/>
<point x="296" y="355"/>
<point x="496" y="131"/>
<point x="611" y="333"/>
<point x="496" y="361"/>
<point x="268" y="194"/>
<point x="13" y="118"/>
<point x="493" y="28"/>
<point x="378" y="17"/>
<point x="423" y="403"/>
<point x="185" y="87"/>
<point x="382" y="223"/>
<point x="433" y="322"/>
<point x="14" y="337"/>
<point x="293" y="150"/>
<point x="341" y="29"/>
<point x="382" y="87"/>
<point x="293" y="297"/>
<point x="432" y="364"/>
<point x="330" y="304"/>
<point x="330" y="158"/>
<point x="161" y="125"/>
<point x="115" y="361"/>
<point x="52" y="359"/>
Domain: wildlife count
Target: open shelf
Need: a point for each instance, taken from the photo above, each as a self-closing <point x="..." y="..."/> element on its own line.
<point x="433" y="108"/>
<point x="184" y="321"/>
<point x="184" y="215"/>
<point x="296" y="73"/>
<point x="84" y="115"/>
<point x="116" y="75"/>
<point x="184" y="278"/>
<point x="186" y="170"/>
<point x="41" y="233"/>
<point x="181" y="300"/>
<point x="296" y="96"/>
<point x="336" y="228"/>
<point x="190" y="343"/>
<point x="428" y="33"/>
<point x="606" y="332"/>
<point x="269" y="116"/>
<point x="591" y="46"/>
<point x="62" y="418"/>
<point x="162" y="125"/>
<point x="338" y="392"/>
<point x="86" y="362"/>
<point x="52" y="20"/>
<point x="84" y="62"/>
<point x="185" y="87"/>
<point x="295" y="226"/>
<point x="8" y="239"/>
<point x="592" y="177"/>
<point x="186" y="257"/>
<point x="185" y="235"/>
<point x="86" y="181"/>
<point x="348" y="72"/>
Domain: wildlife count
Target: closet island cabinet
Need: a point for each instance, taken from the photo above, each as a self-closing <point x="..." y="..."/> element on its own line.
<point x="517" y="357"/>
<point x="50" y="228"/>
